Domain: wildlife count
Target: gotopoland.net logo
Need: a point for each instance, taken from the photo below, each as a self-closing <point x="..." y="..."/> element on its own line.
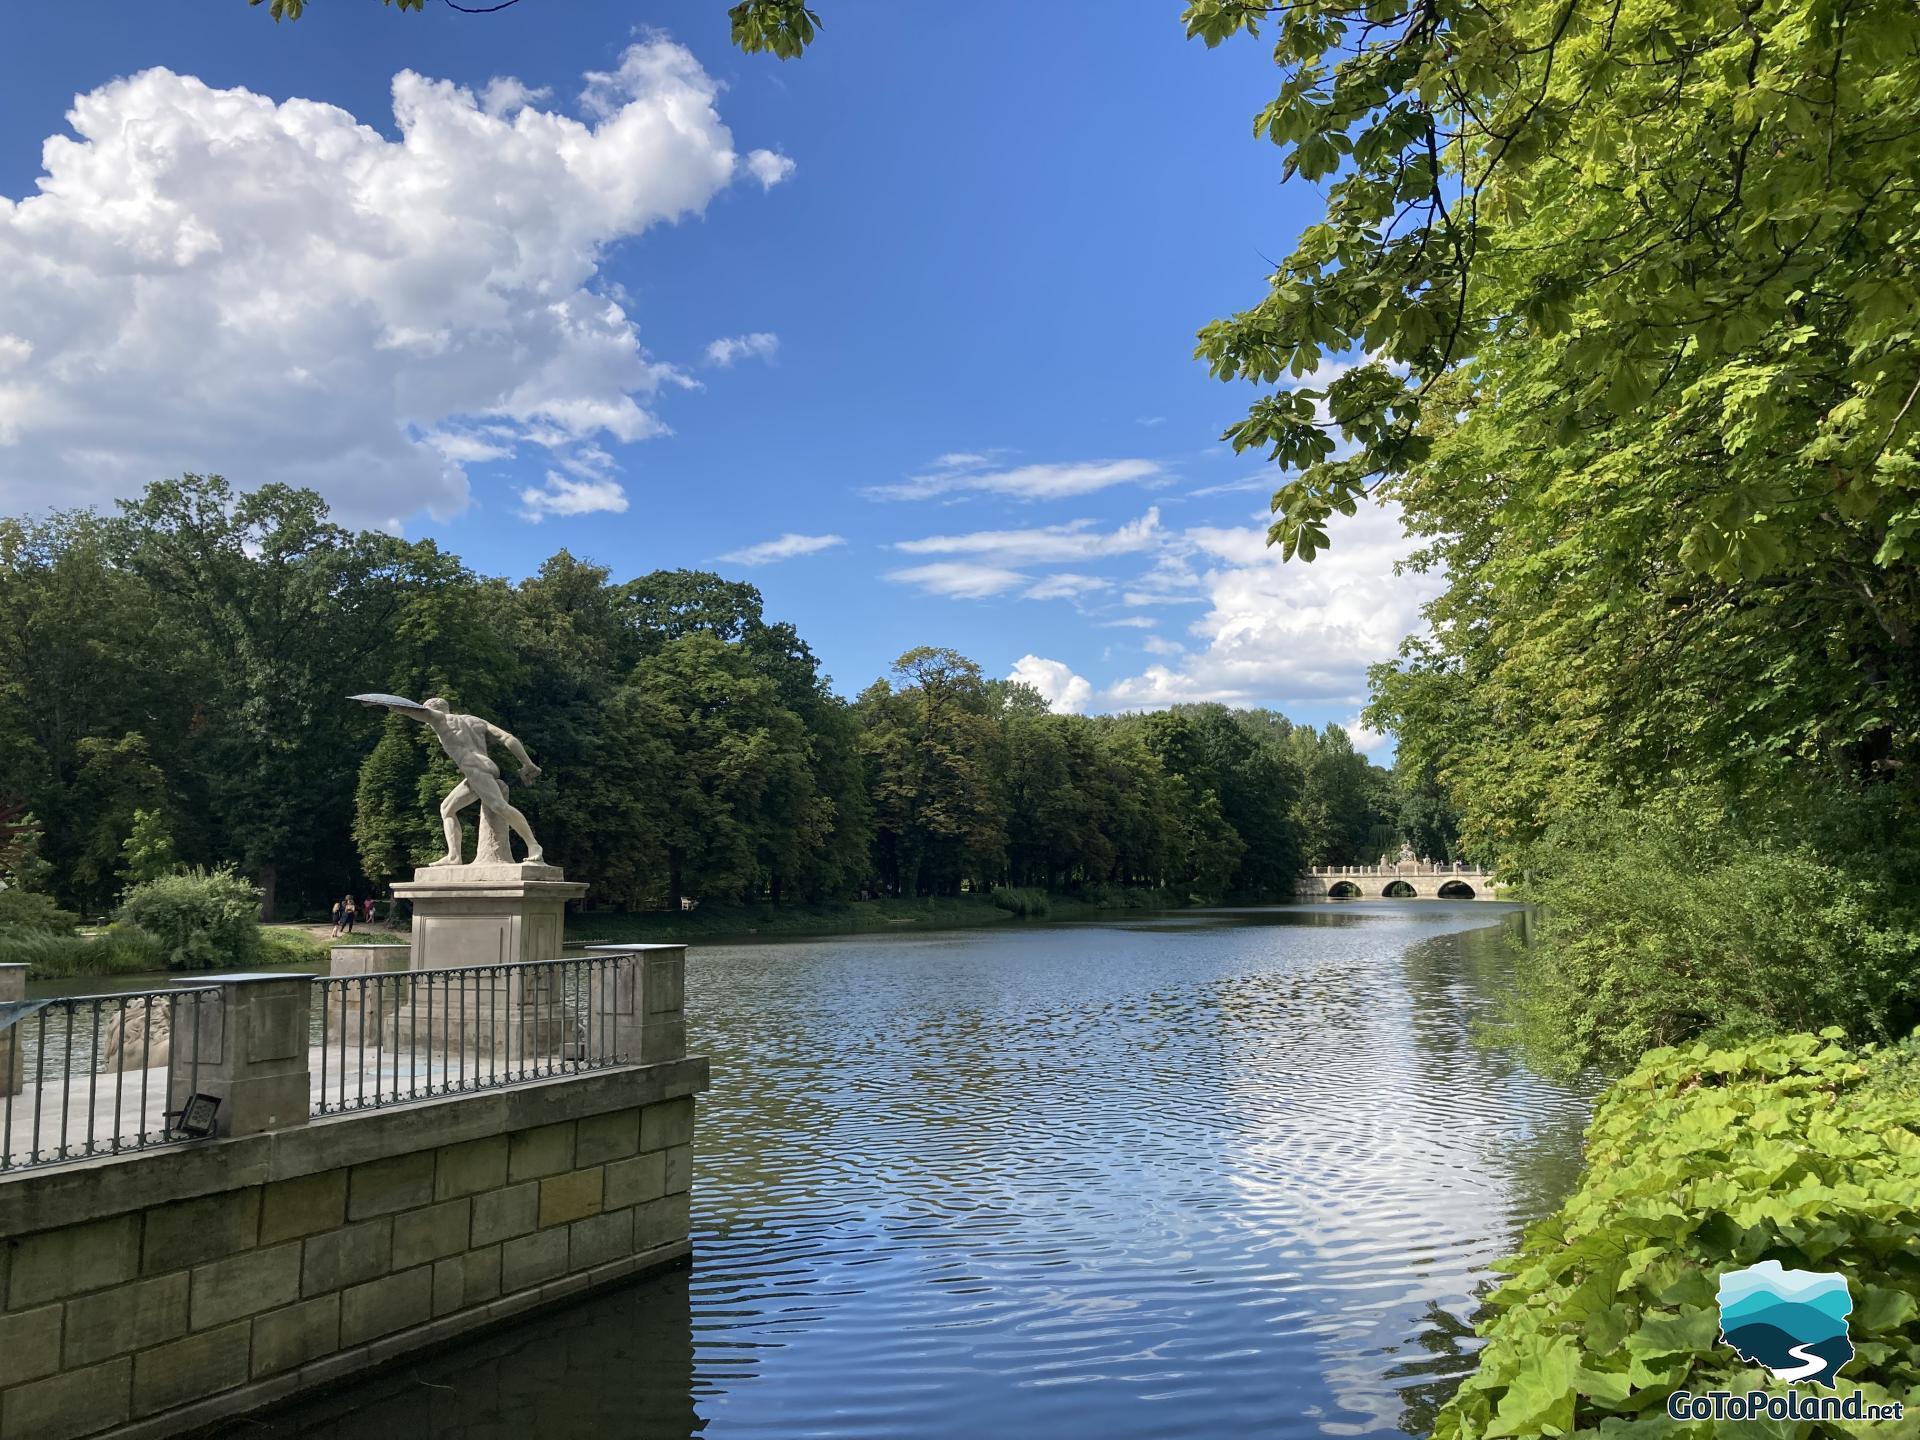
<point x="1794" y="1324"/>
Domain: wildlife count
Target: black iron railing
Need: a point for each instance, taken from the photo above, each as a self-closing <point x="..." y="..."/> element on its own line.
<point x="385" y="1038"/>
<point x="88" y="1075"/>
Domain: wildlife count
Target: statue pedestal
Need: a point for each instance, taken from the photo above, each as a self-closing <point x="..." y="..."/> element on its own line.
<point x="486" y="914"/>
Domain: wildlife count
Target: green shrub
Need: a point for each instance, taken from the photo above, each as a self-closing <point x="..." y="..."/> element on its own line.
<point x="1127" y="897"/>
<point x="1655" y="929"/>
<point x="1794" y="1148"/>
<point x="204" y="920"/>
<point x="1028" y="904"/>
<point x="118" y="950"/>
<point x="27" y="910"/>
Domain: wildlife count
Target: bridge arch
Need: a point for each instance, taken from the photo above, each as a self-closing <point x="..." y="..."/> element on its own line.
<point x="1456" y="890"/>
<point x="1343" y="890"/>
<point x="1399" y="890"/>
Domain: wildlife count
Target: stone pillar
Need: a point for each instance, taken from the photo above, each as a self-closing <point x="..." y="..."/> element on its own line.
<point x="13" y="1055"/>
<point x="248" y="1045"/>
<point x="647" y="997"/>
<point x="354" y="1010"/>
<point x="487" y="914"/>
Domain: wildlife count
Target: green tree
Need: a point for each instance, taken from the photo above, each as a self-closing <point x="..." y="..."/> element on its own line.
<point x="1425" y="816"/>
<point x="1057" y="830"/>
<point x="22" y="867"/>
<point x="278" y="614"/>
<point x="932" y="749"/>
<point x="116" y="783"/>
<point x="737" y="806"/>
<point x="1348" y="809"/>
<point x="1243" y="762"/>
<point x="1615" y="301"/>
<point x="81" y="667"/>
<point x="1669" y="241"/>
<point x="147" y="852"/>
<point x="395" y="825"/>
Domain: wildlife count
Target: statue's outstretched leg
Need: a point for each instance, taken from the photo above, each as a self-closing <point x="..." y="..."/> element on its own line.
<point x="518" y="824"/>
<point x="461" y="796"/>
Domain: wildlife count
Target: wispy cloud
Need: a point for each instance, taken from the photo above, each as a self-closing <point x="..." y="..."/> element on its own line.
<point x="1067" y="586"/>
<point x="1045" y="544"/>
<point x="785" y="547"/>
<point x="958" y="580"/>
<point x="760" y="345"/>
<point x="968" y="472"/>
<point x="1170" y="581"/>
<point x="560" y="495"/>
<point x="1268" y="483"/>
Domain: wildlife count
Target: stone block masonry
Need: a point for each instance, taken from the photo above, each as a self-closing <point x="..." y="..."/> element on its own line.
<point x="154" y="1294"/>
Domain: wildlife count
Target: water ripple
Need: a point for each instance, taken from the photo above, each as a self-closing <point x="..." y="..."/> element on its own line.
<point x="1240" y="1173"/>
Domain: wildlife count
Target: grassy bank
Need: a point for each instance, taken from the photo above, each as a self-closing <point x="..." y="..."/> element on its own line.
<point x="858" y="917"/>
<point x="122" y="950"/>
<point x="1797" y="1149"/>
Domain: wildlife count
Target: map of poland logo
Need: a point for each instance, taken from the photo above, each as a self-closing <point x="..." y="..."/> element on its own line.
<point x="1793" y="1322"/>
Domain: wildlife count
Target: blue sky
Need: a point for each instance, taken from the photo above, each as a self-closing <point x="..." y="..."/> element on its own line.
<point x="925" y="299"/>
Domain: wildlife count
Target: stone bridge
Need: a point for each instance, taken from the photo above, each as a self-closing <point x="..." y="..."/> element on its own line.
<point x="1410" y="879"/>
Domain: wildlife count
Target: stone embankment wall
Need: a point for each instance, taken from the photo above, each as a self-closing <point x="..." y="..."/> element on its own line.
<point x="155" y="1293"/>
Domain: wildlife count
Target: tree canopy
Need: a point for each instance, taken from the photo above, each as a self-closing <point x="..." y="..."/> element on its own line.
<point x="176" y="674"/>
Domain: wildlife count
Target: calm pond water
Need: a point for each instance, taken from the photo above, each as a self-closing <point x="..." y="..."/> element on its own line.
<point x="1220" y="1173"/>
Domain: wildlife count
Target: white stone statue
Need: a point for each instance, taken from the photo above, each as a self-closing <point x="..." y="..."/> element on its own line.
<point x="466" y="739"/>
<point x="136" y="1037"/>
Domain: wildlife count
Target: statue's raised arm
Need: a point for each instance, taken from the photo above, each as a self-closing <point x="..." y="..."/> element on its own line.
<point x="529" y="772"/>
<point x="466" y="738"/>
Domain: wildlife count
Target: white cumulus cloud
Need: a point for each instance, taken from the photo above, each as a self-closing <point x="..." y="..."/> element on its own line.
<point x="1065" y="692"/>
<point x="769" y="167"/>
<point x="1284" y="632"/>
<point x="1365" y="740"/>
<point x="761" y="345"/>
<point x="215" y="280"/>
<point x="785" y="547"/>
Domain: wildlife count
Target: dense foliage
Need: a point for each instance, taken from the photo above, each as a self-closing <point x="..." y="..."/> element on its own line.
<point x="1616" y="301"/>
<point x="1631" y="290"/>
<point x="1795" y="1149"/>
<point x="1656" y="927"/>
<point x="202" y="919"/>
<point x="175" y="679"/>
<point x="175" y="920"/>
<point x="1666" y="243"/>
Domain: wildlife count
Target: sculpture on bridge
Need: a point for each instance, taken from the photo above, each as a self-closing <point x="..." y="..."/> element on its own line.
<point x="466" y="740"/>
